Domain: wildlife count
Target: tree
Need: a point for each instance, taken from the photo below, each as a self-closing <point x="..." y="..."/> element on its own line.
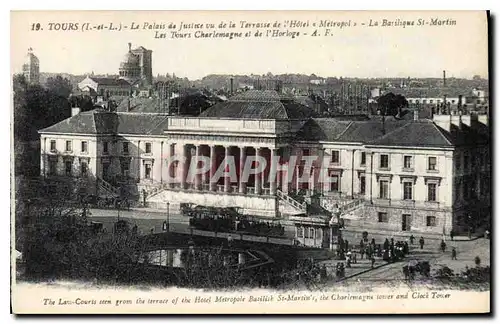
<point x="391" y="104"/>
<point x="59" y="86"/>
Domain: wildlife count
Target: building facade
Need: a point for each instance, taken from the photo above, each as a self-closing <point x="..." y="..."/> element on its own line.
<point x="422" y="176"/>
<point x="106" y="88"/>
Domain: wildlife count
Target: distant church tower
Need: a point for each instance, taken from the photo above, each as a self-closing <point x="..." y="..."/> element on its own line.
<point x="137" y="66"/>
<point x="31" y="68"/>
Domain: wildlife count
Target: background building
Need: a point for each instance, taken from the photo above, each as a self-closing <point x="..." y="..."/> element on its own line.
<point x="136" y="66"/>
<point x="31" y="68"/>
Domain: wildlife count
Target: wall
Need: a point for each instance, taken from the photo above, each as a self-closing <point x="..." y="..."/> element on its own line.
<point x="263" y="206"/>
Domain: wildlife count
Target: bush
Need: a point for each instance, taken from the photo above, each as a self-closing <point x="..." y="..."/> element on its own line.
<point x="477" y="261"/>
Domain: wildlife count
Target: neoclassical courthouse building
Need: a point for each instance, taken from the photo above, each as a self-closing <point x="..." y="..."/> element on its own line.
<point x="423" y="176"/>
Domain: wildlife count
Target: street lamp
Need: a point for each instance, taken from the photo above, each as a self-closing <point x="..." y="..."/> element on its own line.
<point x="168" y="216"/>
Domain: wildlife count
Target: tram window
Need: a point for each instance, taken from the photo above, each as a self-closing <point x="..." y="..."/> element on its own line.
<point x="300" y="232"/>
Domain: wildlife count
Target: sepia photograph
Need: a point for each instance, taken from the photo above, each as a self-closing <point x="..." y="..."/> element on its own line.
<point x="250" y="162"/>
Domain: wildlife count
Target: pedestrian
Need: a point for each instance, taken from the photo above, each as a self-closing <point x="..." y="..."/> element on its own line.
<point x="453" y="253"/>
<point x="346" y="245"/>
<point x="452" y="234"/>
<point x="354" y="257"/>
<point x="406" y="248"/>
<point x="412" y="239"/>
<point x="421" y="241"/>
<point x="361" y="252"/>
<point x="373" y="243"/>
<point x="144" y="196"/>
<point x="406" y="272"/>
<point x="361" y="244"/>
<point x="443" y="246"/>
<point x="386" y="244"/>
<point x="373" y="261"/>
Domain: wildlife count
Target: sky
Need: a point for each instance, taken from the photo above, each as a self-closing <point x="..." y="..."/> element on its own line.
<point x="355" y="51"/>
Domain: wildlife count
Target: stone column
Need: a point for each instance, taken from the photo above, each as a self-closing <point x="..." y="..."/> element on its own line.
<point x="285" y="185"/>
<point x="242" y="185"/>
<point x="227" y="180"/>
<point x="212" y="168"/>
<point x="184" y="169"/>
<point x="258" y="177"/>
<point x="273" y="168"/>
<point x="197" y="178"/>
<point x="170" y="165"/>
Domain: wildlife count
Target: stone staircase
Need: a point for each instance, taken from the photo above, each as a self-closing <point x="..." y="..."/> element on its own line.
<point x="348" y="209"/>
<point x="283" y="197"/>
<point x="105" y="189"/>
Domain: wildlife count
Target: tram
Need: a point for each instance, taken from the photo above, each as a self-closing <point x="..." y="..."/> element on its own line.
<point x="229" y="219"/>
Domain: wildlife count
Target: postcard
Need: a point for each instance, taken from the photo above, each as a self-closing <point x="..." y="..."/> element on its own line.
<point x="250" y="162"/>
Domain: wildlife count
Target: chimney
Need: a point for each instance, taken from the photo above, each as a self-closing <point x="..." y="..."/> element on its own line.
<point x="483" y="119"/>
<point x="232" y="86"/>
<point x="129" y="47"/>
<point x="443" y="121"/>
<point x="444" y="78"/>
<point x="75" y="111"/>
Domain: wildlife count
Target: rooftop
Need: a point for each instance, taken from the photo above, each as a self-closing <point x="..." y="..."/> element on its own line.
<point x="109" y="81"/>
<point x="99" y="121"/>
<point x="256" y="104"/>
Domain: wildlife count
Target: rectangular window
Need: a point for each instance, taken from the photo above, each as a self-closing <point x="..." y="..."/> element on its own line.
<point x="306" y="232"/>
<point x="311" y="233"/>
<point x="105" y="147"/>
<point x="363" y="158"/>
<point x="68" y="165"/>
<point x="431" y="192"/>
<point x="147" y="171"/>
<point x="383" y="218"/>
<point x="458" y="162"/>
<point x="432" y="165"/>
<point x="148" y="147"/>
<point x="125" y="168"/>
<point x="52" y="167"/>
<point x="384" y="189"/>
<point x="431" y="221"/>
<point x="125" y="147"/>
<point x="84" y="168"/>
<point x="362" y="184"/>
<point x="384" y="161"/>
<point x="407" y="190"/>
<point x="52" y="146"/>
<point x="334" y="184"/>
<point x="69" y="146"/>
<point x="300" y="231"/>
<point x="84" y="147"/>
<point x="407" y="162"/>
<point x="335" y="157"/>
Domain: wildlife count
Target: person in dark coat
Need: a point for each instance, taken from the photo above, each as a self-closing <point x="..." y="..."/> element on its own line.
<point x="443" y="245"/>
<point x="452" y="234"/>
<point x="386" y="244"/>
<point x="421" y="241"/>
<point x="453" y="253"/>
<point x="412" y="239"/>
<point x="373" y="243"/>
